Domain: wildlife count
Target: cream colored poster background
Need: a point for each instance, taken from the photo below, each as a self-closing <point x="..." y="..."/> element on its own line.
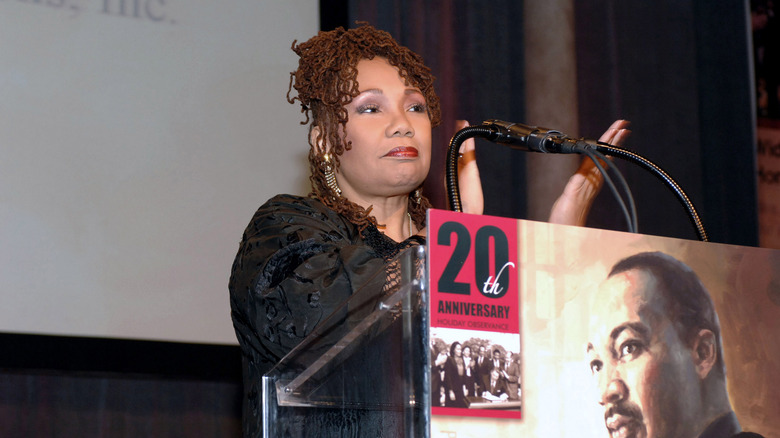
<point x="560" y="268"/>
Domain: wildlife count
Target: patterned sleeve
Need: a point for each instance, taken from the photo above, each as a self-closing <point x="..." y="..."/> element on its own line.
<point x="295" y="265"/>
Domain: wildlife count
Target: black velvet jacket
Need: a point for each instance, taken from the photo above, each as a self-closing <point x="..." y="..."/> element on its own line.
<point x="298" y="260"/>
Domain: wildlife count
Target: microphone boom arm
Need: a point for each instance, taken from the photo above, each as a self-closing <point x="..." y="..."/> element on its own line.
<point x="669" y="182"/>
<point x="451" y="166"/>
<point x="535" y="139"/>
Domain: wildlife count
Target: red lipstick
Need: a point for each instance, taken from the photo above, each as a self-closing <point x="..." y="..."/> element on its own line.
<point x="403" y="152"/>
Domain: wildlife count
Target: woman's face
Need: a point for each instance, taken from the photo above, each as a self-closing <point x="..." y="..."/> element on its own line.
<point x="466" y="351"/>
<point x="390" y="133"/>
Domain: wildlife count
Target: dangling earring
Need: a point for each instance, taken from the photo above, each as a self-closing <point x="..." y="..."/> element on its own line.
<point x="330" y="174"/>
<point x="418" y="195"/>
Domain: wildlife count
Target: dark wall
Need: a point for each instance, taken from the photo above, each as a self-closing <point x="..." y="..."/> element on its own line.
<point x="57" y="386"/>
<point x="679" y="70"/>
<point x="56" y="404"/>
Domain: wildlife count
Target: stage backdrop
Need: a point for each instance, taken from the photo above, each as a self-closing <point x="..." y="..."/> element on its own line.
<point x="137" y="138"/>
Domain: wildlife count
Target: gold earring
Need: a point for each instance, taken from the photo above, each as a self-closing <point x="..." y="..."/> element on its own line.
<point x="418" y="195"/>
<point x="330" y="174"/>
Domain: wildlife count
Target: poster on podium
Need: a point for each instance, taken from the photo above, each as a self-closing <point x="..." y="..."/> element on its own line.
<point x="475" y="316"/>
<point x="612" y="333"/>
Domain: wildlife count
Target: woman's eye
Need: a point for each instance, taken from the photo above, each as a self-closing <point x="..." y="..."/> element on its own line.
<point x="595" y="366"/>
<point x="418" y="107"/>
<point x="368" y="109"/>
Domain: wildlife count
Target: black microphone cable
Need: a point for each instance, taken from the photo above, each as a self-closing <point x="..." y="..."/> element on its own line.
<point x="630" y="211"/>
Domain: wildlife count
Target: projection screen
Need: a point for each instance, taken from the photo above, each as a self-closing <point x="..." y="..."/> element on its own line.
<point x="137" y="139"/>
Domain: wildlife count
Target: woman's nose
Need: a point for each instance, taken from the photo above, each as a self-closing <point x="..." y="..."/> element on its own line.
<point x="400" y="125"/>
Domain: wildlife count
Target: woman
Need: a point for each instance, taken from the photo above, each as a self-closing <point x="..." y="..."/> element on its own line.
<point x="439" y="360"/>
<point x="468" y="376"/>
<point x="455" y="377"/>
<point x="371" y="106"/>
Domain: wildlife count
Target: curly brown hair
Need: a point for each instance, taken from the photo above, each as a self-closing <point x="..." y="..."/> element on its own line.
<point x="325" y="82"/>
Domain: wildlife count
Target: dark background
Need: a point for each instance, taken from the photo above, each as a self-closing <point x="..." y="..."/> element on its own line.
<point x="680" y="71"/>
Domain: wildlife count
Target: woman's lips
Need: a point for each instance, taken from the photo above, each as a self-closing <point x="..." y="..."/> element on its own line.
<point x="403" y="152"/>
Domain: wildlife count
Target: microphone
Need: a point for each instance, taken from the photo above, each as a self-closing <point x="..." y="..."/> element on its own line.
<point x="531" y="138"/>
<point x="547" y="141"/>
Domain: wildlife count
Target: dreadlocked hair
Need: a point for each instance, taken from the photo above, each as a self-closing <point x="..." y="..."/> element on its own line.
<point x="325" y="82"/>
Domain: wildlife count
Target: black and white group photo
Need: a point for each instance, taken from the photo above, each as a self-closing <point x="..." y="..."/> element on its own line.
<point x="476" y="370"/>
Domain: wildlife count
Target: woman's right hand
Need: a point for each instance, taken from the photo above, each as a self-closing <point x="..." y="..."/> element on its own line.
<point x="573" y="206"/>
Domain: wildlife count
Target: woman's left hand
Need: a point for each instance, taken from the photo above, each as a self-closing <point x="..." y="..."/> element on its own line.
<point x="572" y="207"/>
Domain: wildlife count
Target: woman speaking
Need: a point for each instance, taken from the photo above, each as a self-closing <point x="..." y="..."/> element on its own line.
<point x="370" y="106"/>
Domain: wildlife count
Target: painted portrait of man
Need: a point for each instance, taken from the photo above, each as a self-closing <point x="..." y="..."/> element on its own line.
<point x="656" y="354"/>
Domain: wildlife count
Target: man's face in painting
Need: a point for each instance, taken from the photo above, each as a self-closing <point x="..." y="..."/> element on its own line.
<point x="647" y="381"/>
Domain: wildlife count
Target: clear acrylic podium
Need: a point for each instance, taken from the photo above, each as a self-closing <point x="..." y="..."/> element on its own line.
<point x="365" y="371"/>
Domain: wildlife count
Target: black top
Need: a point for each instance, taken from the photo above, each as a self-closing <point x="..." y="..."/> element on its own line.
<point x="297" y="262"/>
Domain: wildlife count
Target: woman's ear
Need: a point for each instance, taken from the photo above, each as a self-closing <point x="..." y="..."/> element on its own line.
<point x="317" y="141"/>
<point x="705" y="352"/>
